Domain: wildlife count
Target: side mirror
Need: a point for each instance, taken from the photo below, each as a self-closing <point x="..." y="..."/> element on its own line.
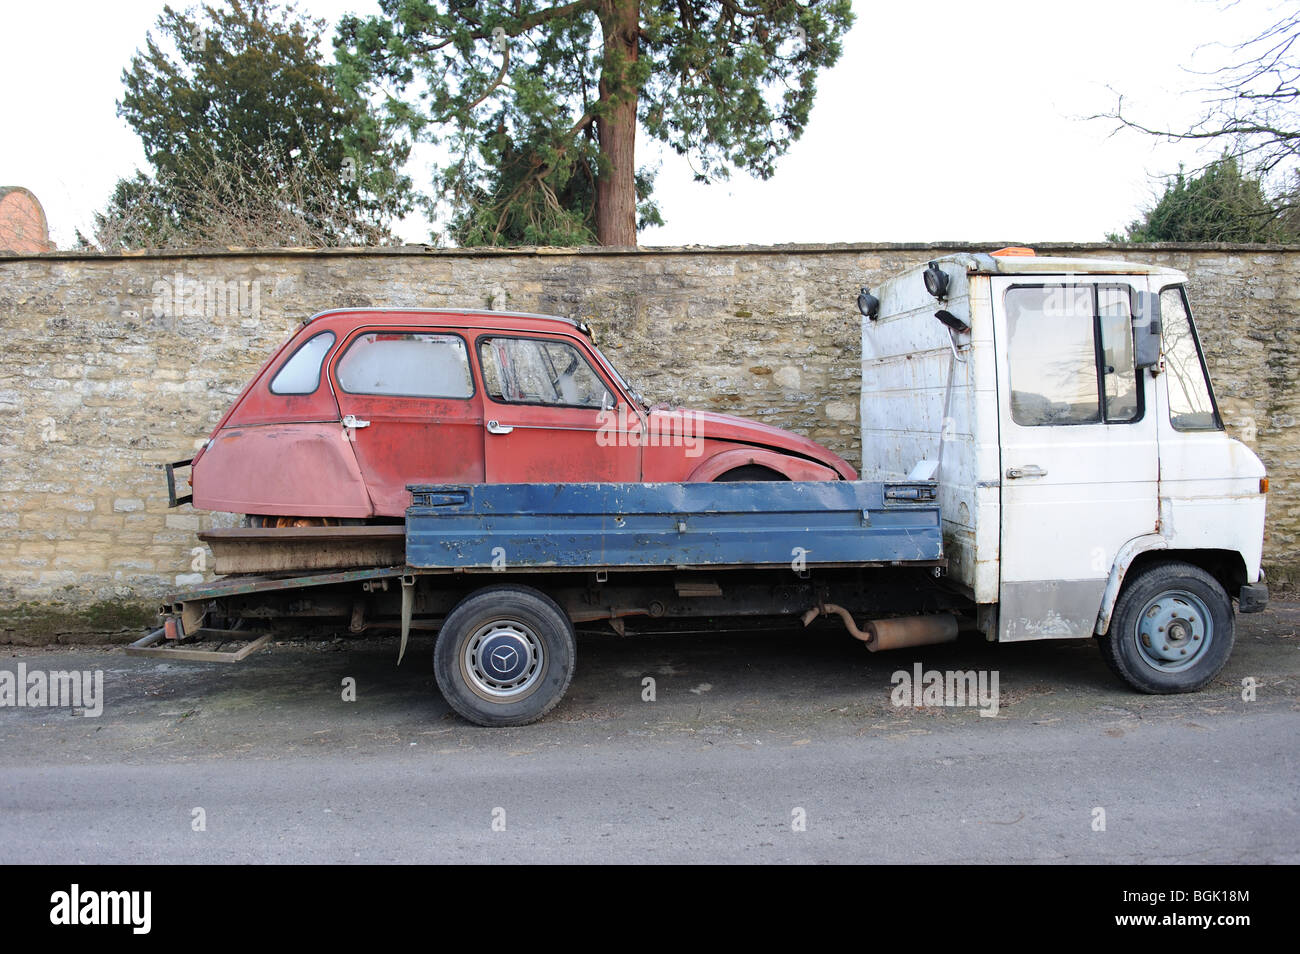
<point x="1146" y="329"/>
<point x="952" y="322"/>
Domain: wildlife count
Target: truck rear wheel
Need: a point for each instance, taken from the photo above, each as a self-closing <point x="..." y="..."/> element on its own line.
<point x="504" y="656"/>
<point x="1172" y="630"/>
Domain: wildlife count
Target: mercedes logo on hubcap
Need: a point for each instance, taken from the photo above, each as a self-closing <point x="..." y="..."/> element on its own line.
<point x="503" y="658"/>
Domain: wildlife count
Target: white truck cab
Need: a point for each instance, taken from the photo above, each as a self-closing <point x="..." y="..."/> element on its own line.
<point x="1087" y="484"/>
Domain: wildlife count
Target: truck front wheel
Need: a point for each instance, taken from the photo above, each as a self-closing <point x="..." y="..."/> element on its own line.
<point x="504" y="656"/>
<point x="1172" y="630"/>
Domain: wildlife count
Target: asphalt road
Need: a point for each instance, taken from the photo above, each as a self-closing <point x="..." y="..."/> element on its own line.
<point x="758" y="748"/>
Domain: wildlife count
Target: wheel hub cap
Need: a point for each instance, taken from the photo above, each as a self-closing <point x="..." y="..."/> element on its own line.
<point x="503" y="659"/>
<point x="1174" y="630"/>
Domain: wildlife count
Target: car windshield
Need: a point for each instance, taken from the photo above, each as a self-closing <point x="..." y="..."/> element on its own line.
<point x="622" y="381"/>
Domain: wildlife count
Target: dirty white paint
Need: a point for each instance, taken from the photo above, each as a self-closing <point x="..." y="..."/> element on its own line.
<point x="909" y="414"/>
<point x="1050" y="544"/>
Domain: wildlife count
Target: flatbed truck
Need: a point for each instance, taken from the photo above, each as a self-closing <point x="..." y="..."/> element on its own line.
<point x="1043" y="458"/>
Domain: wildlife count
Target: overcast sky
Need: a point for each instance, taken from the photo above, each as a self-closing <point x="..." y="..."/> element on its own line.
<point x="942" y="121"/>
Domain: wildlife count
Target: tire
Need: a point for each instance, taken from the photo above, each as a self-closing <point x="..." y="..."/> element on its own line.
<point x="504" y="656"/>
<point x="748" y="472"/>
<point x="1172" y="630"/>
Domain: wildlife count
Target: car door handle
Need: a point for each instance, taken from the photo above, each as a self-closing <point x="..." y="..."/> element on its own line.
<point x="1028" y="470"/>
<point x="494" y="427"/>
<point x="350" y="420"/>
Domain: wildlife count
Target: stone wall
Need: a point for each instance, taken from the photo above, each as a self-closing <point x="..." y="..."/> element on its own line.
<point x="114" y="364"/>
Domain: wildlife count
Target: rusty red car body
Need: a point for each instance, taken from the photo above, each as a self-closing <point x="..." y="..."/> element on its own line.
<point x="359" y="403"/>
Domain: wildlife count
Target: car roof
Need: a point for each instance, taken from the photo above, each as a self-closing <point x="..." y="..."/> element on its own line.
<point x="475" y="318"/>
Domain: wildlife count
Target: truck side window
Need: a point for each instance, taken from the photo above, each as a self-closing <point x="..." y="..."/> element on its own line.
<point x="1053" y="355"/>
<point x="537" y="371"/>
<point x="301" y="373"/>
<point x="406" y="364"/>
<point x="1120" y="395"/>
<point x="1191" y="403"/>
<point x="1071" y="355"/>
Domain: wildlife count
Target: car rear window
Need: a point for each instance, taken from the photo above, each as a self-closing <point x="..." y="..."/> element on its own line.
<point x="301" y="373"/>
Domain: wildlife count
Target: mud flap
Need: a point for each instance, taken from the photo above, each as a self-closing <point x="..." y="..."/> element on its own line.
<point x="408" y="601"/>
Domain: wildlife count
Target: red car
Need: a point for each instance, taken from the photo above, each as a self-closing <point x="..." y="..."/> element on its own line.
<point x="359" y="403"/>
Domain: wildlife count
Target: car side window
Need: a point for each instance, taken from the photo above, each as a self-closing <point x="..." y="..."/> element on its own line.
<point x="301" y="373"/>
<point x="1071" y="355"/>
<point x="406" y="364"/>
<point x="540" y="371"/>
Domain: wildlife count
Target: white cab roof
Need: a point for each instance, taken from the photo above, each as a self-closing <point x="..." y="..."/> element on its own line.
<point x="1049" y="265"/>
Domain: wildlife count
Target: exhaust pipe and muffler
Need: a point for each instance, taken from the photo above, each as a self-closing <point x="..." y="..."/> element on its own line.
<point x="901" y="633"/>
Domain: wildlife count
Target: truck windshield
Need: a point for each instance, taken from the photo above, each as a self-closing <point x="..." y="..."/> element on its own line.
<point x="1191" y="399"/>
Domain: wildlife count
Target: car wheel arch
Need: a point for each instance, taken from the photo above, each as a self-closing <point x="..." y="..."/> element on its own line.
<point x="785" y="466"/>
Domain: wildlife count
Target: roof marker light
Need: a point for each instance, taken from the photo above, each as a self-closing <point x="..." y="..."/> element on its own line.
<point x="1014" y="251"/>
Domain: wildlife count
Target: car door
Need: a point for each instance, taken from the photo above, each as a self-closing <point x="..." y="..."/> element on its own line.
<point x="1078" y="445"/>
<point x="551" y="415"/>
<point x="410" y="409"/>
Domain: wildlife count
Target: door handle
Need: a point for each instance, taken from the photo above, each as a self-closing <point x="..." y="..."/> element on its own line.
<point x="494" y="427"/>
<point x="1028" y="470"/>
<point x="350" y="420"/>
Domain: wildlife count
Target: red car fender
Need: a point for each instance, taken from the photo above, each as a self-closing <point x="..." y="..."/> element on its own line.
<point x="792" y="468"/>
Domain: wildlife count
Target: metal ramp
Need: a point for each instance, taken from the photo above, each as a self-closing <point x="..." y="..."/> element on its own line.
<point x="158" y="646"/>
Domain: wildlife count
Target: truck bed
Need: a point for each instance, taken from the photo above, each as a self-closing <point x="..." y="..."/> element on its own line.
<point x="477" y="528"/>
<point x="759" y="539"/>
<point x="672" y="525"/>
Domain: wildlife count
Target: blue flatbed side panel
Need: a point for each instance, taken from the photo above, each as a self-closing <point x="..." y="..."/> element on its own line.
<point x="690" y="524"/>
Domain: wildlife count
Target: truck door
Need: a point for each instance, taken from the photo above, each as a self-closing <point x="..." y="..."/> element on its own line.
<point x="409" y="406"/>
<point x="551" y="416"/>
<point x="1078" y="447"/>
